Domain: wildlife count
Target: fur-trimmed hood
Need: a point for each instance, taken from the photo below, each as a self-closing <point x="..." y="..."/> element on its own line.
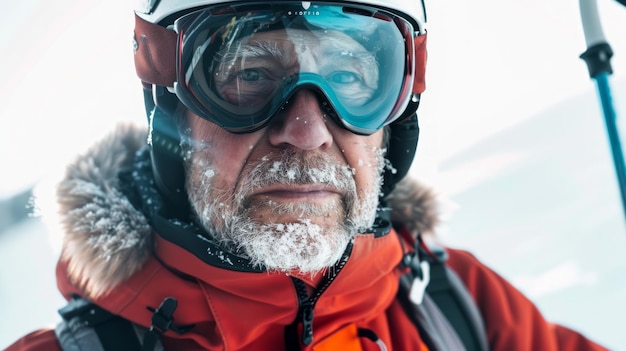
<point x="106" y="239"/>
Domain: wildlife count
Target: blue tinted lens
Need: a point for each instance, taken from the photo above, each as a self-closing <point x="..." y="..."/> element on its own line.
<point x="239" y="65"/>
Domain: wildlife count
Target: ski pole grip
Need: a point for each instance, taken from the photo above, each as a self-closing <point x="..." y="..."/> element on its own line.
<point x="598" y="54"/>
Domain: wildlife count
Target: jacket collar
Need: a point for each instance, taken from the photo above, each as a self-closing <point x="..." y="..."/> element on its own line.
<point x="106" y="239"/>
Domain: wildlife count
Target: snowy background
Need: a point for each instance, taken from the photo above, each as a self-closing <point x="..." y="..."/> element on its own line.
<point x="512" y="136"/>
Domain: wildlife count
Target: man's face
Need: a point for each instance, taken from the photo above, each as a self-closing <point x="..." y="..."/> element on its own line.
<point x="292" y="195"/>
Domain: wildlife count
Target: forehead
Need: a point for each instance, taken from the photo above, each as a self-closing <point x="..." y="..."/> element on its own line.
<point x="301" y="38"/>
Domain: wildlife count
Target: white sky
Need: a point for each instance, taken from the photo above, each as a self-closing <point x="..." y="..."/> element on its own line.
<point x="494" y="64"/>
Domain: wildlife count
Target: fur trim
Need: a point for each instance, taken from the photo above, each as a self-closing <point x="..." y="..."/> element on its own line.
<point x="415" y="206"/>
<point x="106" y="240"/>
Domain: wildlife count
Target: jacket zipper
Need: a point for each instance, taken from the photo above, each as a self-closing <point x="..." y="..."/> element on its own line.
<point x="307" y="303"/>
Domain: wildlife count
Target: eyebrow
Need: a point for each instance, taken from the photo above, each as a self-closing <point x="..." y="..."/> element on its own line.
<point x="255" y="50"/>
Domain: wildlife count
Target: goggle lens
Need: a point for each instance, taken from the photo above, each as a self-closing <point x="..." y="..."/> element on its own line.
<point x="238" y="65"/>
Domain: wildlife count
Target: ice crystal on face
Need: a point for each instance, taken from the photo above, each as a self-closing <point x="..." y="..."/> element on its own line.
<point x="187" y="155"/>
<point x="209" y="173"/>
<point x="390" y="167"/>
<point x="276" y="166"/>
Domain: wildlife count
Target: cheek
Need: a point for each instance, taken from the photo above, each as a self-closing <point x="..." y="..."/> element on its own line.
<point x="226" y="153"/>
<point x="368" y="168"/>
<point x="364" y="155"/>
<point x="227" y="166"/>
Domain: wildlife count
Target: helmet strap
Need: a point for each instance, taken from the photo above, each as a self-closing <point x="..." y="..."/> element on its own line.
<point x="166" y="153"/>
<point x="404" y="135"/>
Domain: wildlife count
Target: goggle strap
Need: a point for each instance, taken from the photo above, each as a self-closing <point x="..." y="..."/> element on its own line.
<point x="155" y="53"/>
<point x="419" y="82"/>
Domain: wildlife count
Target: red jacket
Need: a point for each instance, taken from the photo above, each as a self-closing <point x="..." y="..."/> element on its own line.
<point x="132" y="268"/>
<point x="243" y="321"/>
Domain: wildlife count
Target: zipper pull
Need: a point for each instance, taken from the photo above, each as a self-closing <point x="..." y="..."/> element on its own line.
<point x="307" y="326"/>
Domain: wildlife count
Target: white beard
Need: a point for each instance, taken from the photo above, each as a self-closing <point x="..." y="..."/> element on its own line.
<point x="299" y="245"/>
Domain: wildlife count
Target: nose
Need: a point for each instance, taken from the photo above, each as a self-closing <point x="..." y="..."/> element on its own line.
<point x="302" y="124"/>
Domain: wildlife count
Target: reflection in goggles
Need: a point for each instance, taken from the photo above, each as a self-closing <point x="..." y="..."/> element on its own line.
<point x="250" y="70"/>
<point x="238" y="65"/>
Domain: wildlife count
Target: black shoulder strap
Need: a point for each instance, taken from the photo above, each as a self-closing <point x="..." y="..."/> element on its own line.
<point x="86" y="326"/>
<point x="447" y="317"/>
<point x="451" y="296"/>
<point x="434" y="328"/>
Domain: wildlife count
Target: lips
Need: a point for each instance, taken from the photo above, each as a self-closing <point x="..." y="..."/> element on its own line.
<point x="310" y="192"/>
<point x="293" y="177"/>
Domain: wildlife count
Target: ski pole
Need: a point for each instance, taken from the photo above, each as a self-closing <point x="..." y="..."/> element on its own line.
<point x="598" y="58"/>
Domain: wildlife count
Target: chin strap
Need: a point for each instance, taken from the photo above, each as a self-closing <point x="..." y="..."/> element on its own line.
<point x="167" y="162"/>
<point x="401" y="151"/>
<point x="165" y="150"/>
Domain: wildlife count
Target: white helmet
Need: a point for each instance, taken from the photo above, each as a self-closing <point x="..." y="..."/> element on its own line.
<point x="155" y="11"/>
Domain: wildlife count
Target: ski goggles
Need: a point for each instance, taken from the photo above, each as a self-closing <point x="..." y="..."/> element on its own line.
<point x="238" y="65"/>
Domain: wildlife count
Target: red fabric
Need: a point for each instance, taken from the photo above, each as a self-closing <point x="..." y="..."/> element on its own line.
<point x="363" y="290"/>
<point x="240" y="311"/>
<point x="244" y="310"/>
<point x="513" y="322"/>
<point x="419" y="84"/>
<point x="155" y="55"/>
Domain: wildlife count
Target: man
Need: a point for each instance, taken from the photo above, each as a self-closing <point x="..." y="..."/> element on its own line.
<point x="258" y="215"/>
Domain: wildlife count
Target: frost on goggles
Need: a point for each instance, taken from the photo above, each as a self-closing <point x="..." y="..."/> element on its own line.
<point x="239" y="65"/>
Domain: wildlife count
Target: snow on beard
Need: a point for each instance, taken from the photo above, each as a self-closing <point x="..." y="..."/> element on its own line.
<point x="301" y="244"/>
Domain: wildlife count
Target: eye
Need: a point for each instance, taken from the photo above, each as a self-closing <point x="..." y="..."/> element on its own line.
<point x="250" y="75"/>
<point x="343" y="77"/>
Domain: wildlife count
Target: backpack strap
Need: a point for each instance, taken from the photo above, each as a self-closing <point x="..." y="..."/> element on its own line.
<point x="451" y="296"/>
<point x="434" y="328"/>
<point x="438" y="302"/>
<point x="86" y="326"/>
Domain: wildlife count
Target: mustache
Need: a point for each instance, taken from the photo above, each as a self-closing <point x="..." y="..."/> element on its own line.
<point x="296" y="167"/>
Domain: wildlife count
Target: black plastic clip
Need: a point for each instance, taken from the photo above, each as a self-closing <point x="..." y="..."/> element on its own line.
<point x="162" y="321"/>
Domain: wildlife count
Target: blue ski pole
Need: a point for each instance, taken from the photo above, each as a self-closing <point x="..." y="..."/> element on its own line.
<point x="598" y="58"/>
